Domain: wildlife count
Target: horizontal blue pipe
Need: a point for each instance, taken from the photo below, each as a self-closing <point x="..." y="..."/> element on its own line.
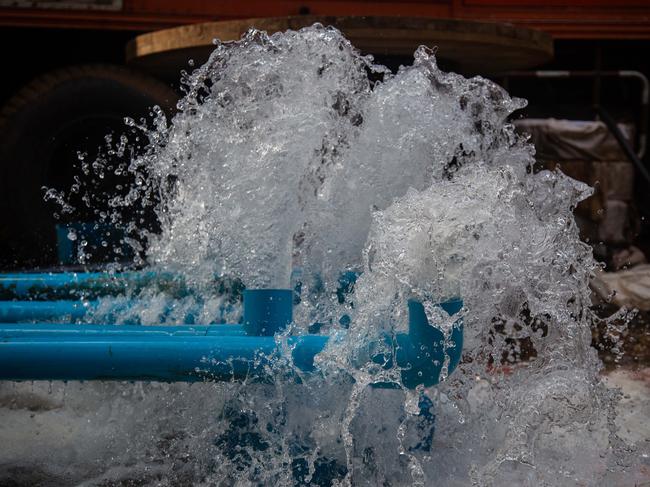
<point x="219" y="352"/>
<point x="15" y="311"/>
<point x="68" y="310"/>
<point x="158" y="358"/>
<point x="23" y="281"/>
<point x="52" y="284"/>
<point x="50" y="330"/>
<point x="188" y="353"/>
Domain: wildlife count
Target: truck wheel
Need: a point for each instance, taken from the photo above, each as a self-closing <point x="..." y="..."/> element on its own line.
<point x="42" y="128"/>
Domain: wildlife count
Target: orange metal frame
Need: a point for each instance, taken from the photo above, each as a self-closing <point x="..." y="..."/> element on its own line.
<point x="567" y="19"/>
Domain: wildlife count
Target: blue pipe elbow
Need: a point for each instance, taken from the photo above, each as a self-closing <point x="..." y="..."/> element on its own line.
<point x="421" y="353"/>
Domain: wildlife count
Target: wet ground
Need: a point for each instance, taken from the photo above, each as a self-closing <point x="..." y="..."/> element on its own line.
<point x="75" y="434"/>
<point x="633" y="420"/>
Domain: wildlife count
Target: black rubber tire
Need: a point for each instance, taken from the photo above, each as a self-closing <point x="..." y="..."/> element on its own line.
<point x="48" y="118"/>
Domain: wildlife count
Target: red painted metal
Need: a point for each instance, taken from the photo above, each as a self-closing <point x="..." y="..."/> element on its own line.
<point x="568" y="19"/>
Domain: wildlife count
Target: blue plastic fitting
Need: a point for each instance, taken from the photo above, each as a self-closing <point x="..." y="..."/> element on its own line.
<point x="267" y="311"/>
<point x="421" y="353"/>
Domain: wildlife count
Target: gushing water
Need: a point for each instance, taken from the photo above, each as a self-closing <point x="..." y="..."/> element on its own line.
<point x="294" y="159"/>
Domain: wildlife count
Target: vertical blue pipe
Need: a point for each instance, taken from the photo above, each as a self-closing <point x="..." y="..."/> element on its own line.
<point x="267" y="311"/>
<point x="421" y="353"/>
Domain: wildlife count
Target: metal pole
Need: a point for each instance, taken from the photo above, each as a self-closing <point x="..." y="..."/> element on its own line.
<point x="623" y="142"/>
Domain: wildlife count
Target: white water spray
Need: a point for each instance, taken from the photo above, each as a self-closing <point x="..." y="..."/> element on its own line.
<point x="294" y="152"/>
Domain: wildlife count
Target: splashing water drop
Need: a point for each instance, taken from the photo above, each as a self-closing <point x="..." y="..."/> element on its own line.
<point x="286" y="158"/>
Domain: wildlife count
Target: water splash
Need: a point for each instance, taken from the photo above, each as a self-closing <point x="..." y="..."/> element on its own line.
<point x="293" y="152"/>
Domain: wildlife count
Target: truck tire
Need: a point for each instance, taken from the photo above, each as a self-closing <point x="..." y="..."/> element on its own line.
<point x="41" y="130"/>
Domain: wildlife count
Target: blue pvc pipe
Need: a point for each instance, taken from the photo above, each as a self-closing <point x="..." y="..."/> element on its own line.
<point x="67" y="310"/>
<point x="64" y="331"/>
<point x="267" y="311"/>
<point x="22" y="282"/>
<point x="146" y="357"/>
<point x="421" y="353"/>
<point x="190" y="353"/>
<point x="15" y="311"/>
<point x="201" y="352"/>
<point x="55" y="284"/>
<point x="182" y="353"/>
